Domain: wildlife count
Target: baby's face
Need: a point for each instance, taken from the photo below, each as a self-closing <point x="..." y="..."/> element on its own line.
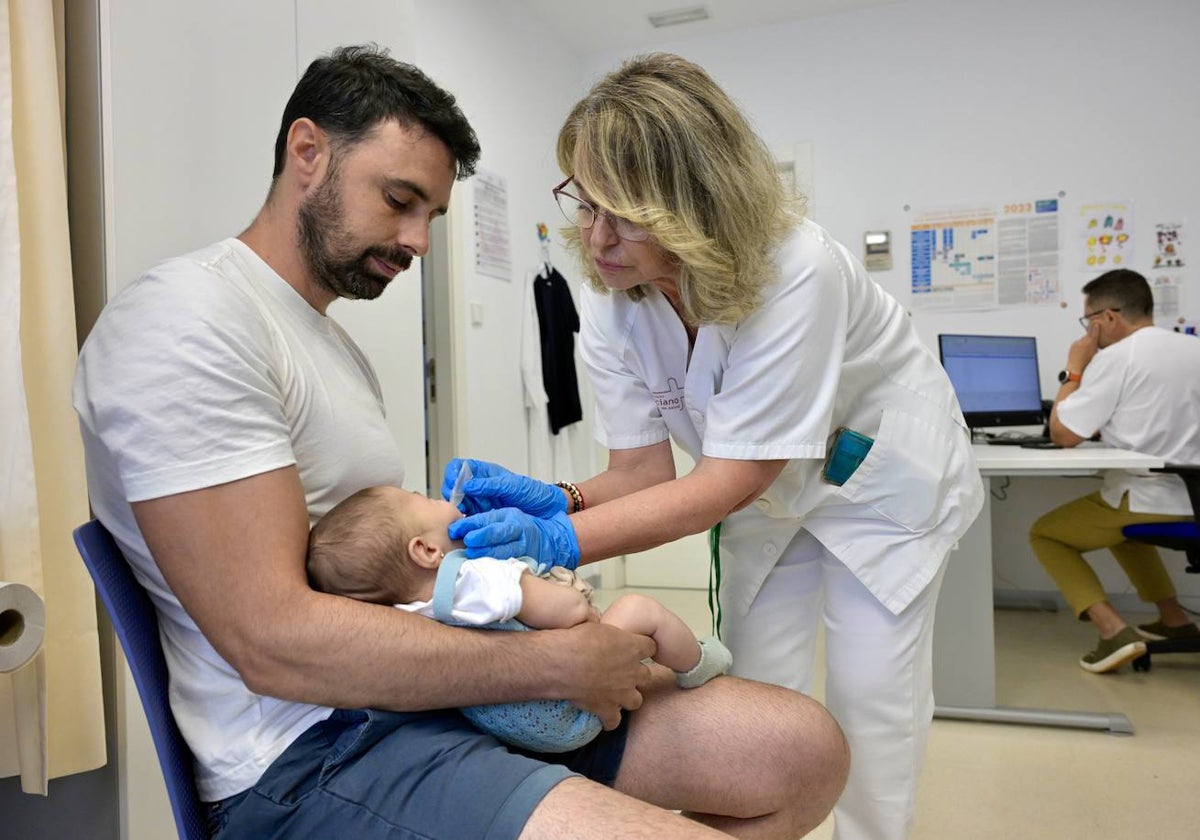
<point x="424" y="517"/>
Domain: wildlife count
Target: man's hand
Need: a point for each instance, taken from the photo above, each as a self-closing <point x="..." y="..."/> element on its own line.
<point x="1079" y="356"/>
<point x="602" y="669"/>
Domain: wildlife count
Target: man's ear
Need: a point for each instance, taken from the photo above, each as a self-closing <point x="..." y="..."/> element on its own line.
<point x="424" y="554"/>
<point x="307" y="149"/>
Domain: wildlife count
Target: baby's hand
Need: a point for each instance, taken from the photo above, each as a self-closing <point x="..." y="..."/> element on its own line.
<point x="593" y="614"/>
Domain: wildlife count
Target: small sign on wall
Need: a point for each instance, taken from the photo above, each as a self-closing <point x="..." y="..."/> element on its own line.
<point x="492" y="240"/>
<point x="877" y="250"/>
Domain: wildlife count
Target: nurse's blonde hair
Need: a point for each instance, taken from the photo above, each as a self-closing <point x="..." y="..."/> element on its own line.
<point x="659" y="143"/>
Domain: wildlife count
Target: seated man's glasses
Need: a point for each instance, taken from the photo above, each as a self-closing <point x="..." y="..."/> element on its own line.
<point x="584" y="214"/>
<point x="1086" y="320"/>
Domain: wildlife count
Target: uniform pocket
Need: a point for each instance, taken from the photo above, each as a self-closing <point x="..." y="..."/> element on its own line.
<point x="909" y="472"/>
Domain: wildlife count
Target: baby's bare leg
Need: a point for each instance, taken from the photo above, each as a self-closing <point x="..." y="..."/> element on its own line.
<point x="677" y="645"/>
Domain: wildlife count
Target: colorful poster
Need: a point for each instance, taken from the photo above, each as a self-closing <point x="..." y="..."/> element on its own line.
<point x="987" y="257"/>
<point x="954" y="260"/>
<point x="1106" y="236"/>
<point x="1167" y="278"/>
<point x="1168" y="241"/>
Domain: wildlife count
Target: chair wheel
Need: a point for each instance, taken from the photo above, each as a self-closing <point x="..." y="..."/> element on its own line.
<point x="1142" y="663"/>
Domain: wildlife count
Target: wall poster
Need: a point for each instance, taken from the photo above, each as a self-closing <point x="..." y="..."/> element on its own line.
<point x="1166" y="280"/>
<point x="493" y="248"/>
<point x="1105" y="236"/>
<point x="986" y="257"/>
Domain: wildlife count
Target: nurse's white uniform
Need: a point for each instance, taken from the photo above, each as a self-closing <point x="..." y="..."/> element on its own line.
<point x="827" y="348"/>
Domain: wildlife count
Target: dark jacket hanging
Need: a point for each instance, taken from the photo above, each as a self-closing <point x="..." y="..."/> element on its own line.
<point x="558" y="321"/>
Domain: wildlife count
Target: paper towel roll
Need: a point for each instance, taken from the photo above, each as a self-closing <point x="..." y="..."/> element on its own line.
<point x="22" y="625"/>
<point x="22" y="632"/>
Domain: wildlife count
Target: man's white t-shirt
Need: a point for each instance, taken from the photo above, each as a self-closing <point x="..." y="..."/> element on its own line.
<point x="208" y="369"/>
<point x="1143" y="394"/>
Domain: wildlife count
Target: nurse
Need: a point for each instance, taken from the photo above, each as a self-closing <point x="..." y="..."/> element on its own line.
<point x="832" y="461"/>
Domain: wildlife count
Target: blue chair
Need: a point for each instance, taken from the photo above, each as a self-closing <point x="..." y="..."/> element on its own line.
<point x="1184" y="536"/>
<point x="136" y="624"/>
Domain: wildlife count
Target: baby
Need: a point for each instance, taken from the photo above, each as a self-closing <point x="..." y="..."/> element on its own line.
<point x="386" y="545"/>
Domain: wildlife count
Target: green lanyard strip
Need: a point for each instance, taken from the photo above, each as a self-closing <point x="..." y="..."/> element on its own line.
<point x="714" y="578"/>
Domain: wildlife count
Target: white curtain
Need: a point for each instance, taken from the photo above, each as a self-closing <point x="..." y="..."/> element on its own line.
<point x="43" y="493"/>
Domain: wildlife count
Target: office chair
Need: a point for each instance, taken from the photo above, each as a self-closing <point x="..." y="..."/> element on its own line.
<point x="1183" y="536"/>
<point x="136" y="624"/>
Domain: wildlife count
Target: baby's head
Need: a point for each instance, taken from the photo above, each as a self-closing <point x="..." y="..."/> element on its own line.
<point x="382" y="545"/>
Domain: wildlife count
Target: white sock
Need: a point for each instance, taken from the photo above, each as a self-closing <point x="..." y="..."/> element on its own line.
<point x="715" y="659"/>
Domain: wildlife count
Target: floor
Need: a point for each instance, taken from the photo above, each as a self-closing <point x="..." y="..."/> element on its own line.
<point x="990" y="781"/>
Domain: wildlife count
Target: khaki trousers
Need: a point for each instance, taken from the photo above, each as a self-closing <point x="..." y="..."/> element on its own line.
<point x="1061" y="536"/>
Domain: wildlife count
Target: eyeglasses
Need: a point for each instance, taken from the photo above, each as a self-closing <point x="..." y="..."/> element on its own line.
<point x="584" y="214"/>
<point x="1086" y="320"/>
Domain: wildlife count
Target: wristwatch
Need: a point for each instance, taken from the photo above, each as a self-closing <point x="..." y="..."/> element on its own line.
<point x="1069" y="376"/>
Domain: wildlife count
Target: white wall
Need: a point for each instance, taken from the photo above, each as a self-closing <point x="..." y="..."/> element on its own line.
<point x="933" y="103"/>
<point x="515" y="82"/>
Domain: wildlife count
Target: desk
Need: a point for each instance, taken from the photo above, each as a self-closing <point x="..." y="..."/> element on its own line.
<point x="964" y="653"/>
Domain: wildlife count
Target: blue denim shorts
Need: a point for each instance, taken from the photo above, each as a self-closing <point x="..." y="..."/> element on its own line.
<point x="369" y="774"/>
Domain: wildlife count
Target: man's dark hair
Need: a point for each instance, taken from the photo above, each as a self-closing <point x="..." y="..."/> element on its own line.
<point x="353" y="89"/>
<point x="1122" y="289"/>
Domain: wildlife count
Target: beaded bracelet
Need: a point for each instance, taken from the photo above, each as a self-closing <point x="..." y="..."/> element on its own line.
<point x="573" y="492"/>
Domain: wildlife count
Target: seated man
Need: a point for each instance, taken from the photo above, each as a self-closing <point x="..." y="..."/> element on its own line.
<point x="1138" y="386"/>
<point x="223" y="413"/>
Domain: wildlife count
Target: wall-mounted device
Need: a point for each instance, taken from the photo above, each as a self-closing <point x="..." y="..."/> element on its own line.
<point x="877" y="250"/>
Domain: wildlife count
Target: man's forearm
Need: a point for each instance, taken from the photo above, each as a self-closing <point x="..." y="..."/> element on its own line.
<point x="409" y="663"/>
<point x="343" y="653"/>
<point x="1059" y="433"/>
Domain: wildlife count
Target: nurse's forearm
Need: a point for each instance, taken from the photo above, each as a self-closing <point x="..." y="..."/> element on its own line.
<point x="638" y="522"/>
<point x="673" y="509"/>
<point x="629" y="470"/>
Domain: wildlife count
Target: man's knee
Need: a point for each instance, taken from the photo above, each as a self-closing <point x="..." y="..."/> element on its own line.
<point x="1059" y="525"/>
<point x="1042" y="527"/>
<point x="812" y="758"/>
<point x="1046" y="535"/>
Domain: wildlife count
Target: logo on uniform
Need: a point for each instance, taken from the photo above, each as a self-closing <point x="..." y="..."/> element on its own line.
<point x="670" y="399"/>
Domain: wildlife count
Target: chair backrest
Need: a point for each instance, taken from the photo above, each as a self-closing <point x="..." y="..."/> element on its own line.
<point x="1183" y="535"/>
<point x="136" y="624"/>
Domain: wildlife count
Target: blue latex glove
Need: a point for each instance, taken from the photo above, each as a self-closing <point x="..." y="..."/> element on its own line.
<point x="493" y="487"/>
<point x="508" y="532"/>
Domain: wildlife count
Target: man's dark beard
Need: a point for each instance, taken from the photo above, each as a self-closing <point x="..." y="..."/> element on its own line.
<point x="321" y="229"/>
